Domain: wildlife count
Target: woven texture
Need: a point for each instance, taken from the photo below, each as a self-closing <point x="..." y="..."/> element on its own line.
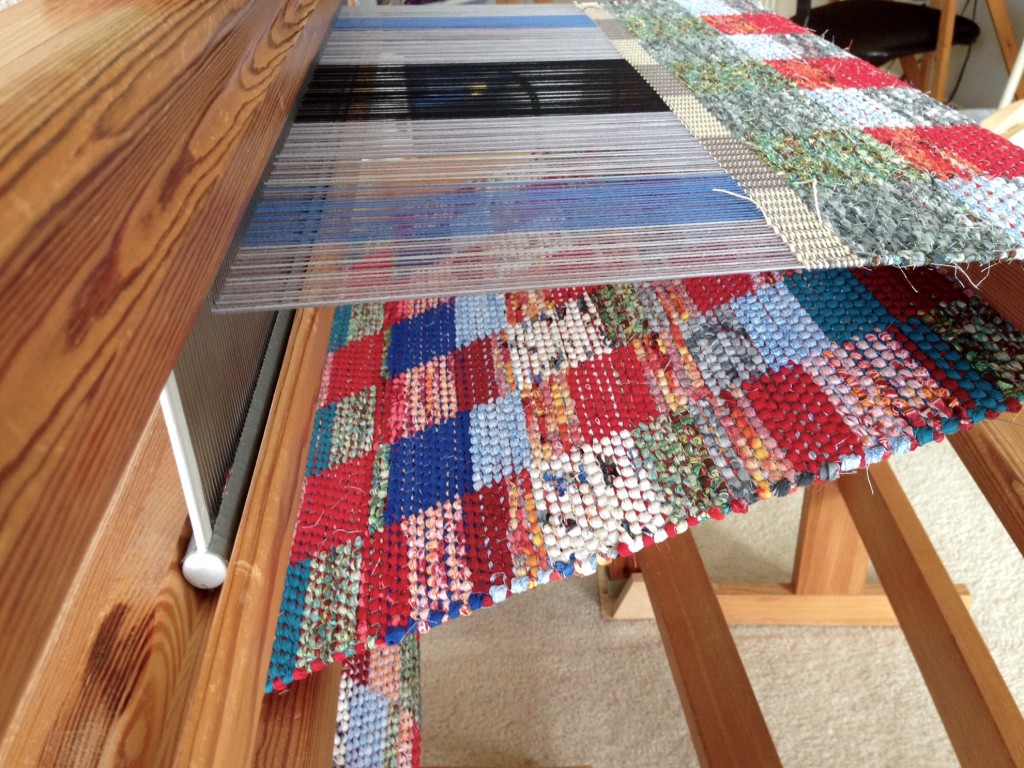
<point x="441" y="151"/>
<point x="895" y="175"/>
<point x="469" y="448"/>
<point x="449" y="150"/>
<point x="379" y="708"/>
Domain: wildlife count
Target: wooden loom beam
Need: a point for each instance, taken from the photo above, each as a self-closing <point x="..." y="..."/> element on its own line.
<point x="993" y="453"/>
<point x="298" y="725"/>
<point x="132" y="137"/>
<point x="121" y="663"/>
<point x="828" y="588"/>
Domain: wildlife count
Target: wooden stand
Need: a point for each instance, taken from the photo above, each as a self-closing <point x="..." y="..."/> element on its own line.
<point x="842" y="526"/>
<point x="829" y="579"/>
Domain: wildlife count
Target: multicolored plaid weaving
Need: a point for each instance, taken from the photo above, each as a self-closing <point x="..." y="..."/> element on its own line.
<point x="469" y="448"/>
<point x="379" y="708"/>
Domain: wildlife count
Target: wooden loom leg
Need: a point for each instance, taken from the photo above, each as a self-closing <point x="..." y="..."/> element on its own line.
<point x="984" y="725"/>
<point x="828" y="586"/>
<point x="725" y="719"/>
<point x="993" y="453"/>
<point x="830" y="556"/>
<point x="297" y="725"/>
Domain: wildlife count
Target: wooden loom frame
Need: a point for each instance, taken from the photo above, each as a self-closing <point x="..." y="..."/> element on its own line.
<point x="125" y="190"/>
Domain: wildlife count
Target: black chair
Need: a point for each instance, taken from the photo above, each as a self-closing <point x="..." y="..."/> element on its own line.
<point x="879" y="31"/>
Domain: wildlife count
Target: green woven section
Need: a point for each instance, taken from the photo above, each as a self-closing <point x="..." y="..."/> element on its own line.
<point x="680" y="468"/>
<point x="353" y="427"/>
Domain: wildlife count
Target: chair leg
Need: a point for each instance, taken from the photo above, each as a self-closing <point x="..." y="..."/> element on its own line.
<point x="913" y="71"/>
<point x="944" y="47"/>
<point x="1003" y="27"/>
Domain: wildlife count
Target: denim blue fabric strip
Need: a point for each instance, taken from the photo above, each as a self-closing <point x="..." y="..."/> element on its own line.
<point x="291" y="218"/>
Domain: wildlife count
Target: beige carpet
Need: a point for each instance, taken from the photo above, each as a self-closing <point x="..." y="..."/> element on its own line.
<point x="542" y="680"/>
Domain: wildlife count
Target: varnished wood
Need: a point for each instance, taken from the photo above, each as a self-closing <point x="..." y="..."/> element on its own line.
<point x="1002" y="285"/>
<point x="297" y="726"/>
<point x="830" y="557"/>
<point x="939" y="86"/>
<point x="120" y="664"/>
<point x="725" y="720"/>
<point x="993" y="453"/>
<point x="222" y="722"/>
<point x="1008" y="122"/>
<point x="913" y="71"/>
<point x="984" y="725"/>
<point x="132" y="136"/>
<point x="621" y="567"/>
<point x="765" y="604"/>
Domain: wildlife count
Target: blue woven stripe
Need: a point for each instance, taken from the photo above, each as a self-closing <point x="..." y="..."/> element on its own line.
<point x="339" y="328"/>
<point x="282" y="219"/>
<point x="470" y="22"/>
<point x="289" y="623"/>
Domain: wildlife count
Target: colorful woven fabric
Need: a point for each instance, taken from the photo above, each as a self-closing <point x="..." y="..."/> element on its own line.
<point x="441" y="150"/>
<point x="898" y="177"/>
<point x="379" y="708"/>
<point x="469" y="448"/>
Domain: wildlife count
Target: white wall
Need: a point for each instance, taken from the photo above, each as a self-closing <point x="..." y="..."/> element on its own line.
<point x="985" y="75"/>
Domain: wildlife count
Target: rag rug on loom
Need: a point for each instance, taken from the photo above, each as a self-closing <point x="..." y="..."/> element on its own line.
<point x="466" y="449"/>
<point x="896" y="176"/>
<point x="469" y="449"/>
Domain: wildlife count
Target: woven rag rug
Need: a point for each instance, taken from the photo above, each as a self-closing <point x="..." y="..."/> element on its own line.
<point x="470" y="448"/>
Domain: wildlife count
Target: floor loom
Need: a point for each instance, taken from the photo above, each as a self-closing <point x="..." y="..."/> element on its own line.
<point x="110" y="657"/>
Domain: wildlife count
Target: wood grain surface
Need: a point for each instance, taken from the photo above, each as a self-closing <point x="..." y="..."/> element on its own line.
<point x="993" y="453"/>
<point x="297" y="725"/>
<point x="725" y="720"/>
<point x="984" y="725"/>
<point x="830" y="557"/>
<point x="223" y="721"/>
<point x="121" y="661"/>
<point x="1002" y="287"/>
<point x="132" y="136"/>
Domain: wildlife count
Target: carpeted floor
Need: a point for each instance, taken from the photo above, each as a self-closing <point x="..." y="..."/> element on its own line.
<point x="542" y="680"/>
